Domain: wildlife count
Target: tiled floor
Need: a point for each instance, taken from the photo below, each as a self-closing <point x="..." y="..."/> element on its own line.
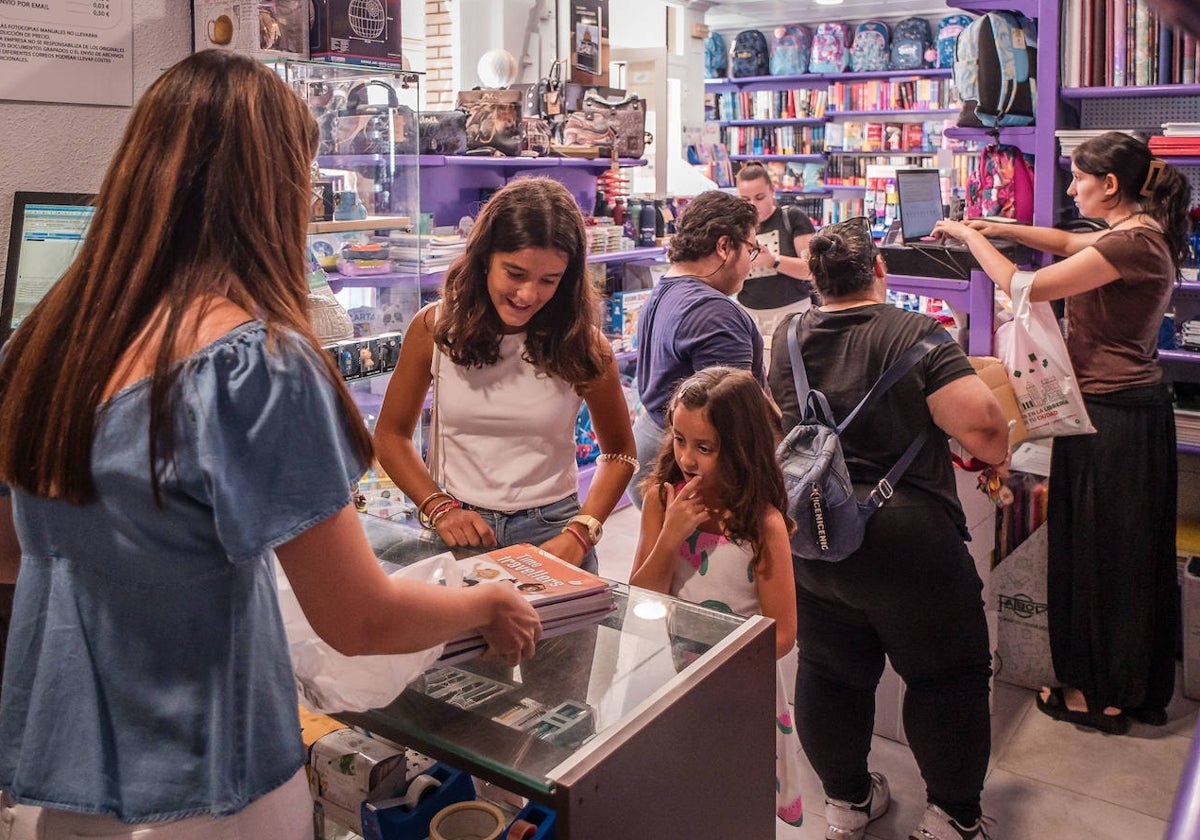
<point x="1046" y="781"/>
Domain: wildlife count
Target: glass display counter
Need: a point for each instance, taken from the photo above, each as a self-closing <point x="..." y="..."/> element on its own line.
<point x="658" y="722"/>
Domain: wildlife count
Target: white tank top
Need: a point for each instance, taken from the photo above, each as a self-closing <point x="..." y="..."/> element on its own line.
<point x="504" y="435"/>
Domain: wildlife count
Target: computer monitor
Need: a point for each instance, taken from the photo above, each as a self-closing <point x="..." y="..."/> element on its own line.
<point x="46" y="233"/>
<point x="919" y="196"/>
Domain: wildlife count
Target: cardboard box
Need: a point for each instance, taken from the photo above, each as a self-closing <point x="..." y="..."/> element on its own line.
<point x="623" y="311"/>
<point x="346" y="768"/>
<point x="264" y="30"/>
<point x="992" y="372"/>
<point x="365" y="33"/>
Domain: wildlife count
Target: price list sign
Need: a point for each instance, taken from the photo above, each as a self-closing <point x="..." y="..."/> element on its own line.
<point x="67" y="51"/>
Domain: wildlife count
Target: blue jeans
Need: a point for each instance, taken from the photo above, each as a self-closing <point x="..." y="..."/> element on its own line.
<point x="649" y="438"/>
<point x="535" y="525"/>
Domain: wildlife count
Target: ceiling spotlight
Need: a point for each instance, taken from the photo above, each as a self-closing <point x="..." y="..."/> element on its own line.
<point x="828" y="2"/>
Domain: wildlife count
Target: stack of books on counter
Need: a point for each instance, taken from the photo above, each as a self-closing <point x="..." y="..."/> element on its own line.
<point x="565" y="596"/>
<point x="427" y="252"/>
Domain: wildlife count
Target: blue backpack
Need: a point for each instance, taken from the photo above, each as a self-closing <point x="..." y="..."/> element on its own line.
<point x="716" y="56"/>
<point x="871" y="46"/>
<point x="830" y="48"/>
<point x="947" y="33"/>
<point x="750" y="55"/>
<point x="912" y="44"/>
<point x="790" y="50"/>
<point x="995" y="60"/>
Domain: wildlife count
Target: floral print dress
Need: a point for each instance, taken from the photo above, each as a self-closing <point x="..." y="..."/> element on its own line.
<point x="714" y="572"/>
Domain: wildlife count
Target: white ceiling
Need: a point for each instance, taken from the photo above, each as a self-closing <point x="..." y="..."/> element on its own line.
<point x="757" y="14"/>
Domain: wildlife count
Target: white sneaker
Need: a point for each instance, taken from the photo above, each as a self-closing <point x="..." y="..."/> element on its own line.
<point x="848" y="820"/>
<point x="938" y="825"/>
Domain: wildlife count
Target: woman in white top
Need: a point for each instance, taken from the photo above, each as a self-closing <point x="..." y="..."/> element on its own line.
<point x="513" y="350"/>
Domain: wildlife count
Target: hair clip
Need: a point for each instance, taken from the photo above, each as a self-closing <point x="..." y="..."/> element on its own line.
<point x="1157" y="165"/>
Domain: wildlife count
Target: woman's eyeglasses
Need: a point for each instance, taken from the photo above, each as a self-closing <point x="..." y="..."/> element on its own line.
<point x="754" y="249"/>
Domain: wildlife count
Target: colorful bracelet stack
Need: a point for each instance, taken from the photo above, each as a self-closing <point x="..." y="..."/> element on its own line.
<point x="444" y="504"/>
<point x="586" y="545"/>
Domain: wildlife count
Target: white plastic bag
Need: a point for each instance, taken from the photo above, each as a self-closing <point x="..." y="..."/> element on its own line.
<point x="326" y="680"/>
<point x="1033" y="351"/>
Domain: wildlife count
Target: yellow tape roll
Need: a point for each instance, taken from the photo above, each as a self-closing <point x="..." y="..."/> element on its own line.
<point x="471" y="820"/>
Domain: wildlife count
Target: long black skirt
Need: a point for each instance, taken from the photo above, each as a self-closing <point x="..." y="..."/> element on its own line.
<point x="1111" y="581"/>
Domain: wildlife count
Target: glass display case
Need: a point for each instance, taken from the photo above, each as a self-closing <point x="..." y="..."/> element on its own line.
<point x="658" y="722"/>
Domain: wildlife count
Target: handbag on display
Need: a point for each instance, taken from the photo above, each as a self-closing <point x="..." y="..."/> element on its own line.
<point x="535" y="136"/>
<point x="493" y="120"/>
<point x="442" y="132"/>
<point x="625" y="117"/>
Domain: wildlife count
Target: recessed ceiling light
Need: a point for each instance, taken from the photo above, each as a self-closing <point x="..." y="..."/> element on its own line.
<point x="828" y="2"/>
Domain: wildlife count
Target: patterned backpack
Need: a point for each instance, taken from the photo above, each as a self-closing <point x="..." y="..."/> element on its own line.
<point x="830" y="48"/>
<point x="790" y="50"/>
<point x="869" y="52"/>
<point x="1002" y="185"/>
<point x="750" y="55"/>
<point x="912" y="44"/>
<point x="716" y="56"/>
<point x="995" y="59"/>
<point x="947" y="33"/>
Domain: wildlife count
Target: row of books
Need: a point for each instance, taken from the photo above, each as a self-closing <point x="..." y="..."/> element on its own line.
<point x="855" y="136"/>
<point x="766" y="105"/>
<point x="914" y="95"/>
<point x="1124" y="43"/>
<point x="852" y="171"/>
<point x="774" y="140"/>
<point x="1069" y="138"/>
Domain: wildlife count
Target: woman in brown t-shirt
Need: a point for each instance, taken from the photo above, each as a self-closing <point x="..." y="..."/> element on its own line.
<point x="1111" y="584"/>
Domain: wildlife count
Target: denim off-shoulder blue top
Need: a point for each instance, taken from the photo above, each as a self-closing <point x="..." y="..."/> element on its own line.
<point x="147" y="672"/>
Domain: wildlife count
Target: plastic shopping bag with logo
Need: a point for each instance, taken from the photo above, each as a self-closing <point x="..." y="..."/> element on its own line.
<point x="327" y="681"/>
<point x="1035" y="356"/>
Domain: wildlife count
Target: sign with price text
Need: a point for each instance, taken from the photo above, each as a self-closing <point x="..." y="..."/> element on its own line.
<point x="67" y="51"/>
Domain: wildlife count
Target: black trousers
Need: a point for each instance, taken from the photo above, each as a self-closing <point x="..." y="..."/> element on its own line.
<point x="911" y="592"/>
<point x="1111" y="583"/>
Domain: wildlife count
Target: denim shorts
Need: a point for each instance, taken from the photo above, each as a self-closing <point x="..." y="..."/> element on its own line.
<point x="535" y="525"/>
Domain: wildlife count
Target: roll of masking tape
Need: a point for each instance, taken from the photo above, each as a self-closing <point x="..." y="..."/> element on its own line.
<point x="521" y="830"/>
<point x="471" y="820"/>
<point x="420" y="789"/>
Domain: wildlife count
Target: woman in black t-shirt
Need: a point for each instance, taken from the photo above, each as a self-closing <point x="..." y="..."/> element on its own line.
<point x="911" y="592"/>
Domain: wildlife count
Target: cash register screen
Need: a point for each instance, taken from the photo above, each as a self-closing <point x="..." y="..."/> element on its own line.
<point x="46" y="233"/>
<point x="919" y="194"/>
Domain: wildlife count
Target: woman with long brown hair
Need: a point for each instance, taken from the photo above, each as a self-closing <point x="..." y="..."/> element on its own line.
<point x="512" y="351"/>
<point x="151" y="404"/>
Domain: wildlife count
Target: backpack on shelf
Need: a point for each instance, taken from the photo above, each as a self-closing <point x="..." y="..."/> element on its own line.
<point x="830" y="48"/>
<point x="791" y="49"/>
<point x="947" y="33"/>
<point x="716" y="56"/>
<point x="830" y="519"/>
<point x="750" y="55"/>
<point x="1002" y="185"/>
<point x="912" y="44"/>
<point x="872" y="44"/>
<point x="995" y="62"/>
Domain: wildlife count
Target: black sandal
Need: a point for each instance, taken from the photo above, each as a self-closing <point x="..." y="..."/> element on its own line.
<point x="1150" y="715"/>
<point x="1056" y="707"/>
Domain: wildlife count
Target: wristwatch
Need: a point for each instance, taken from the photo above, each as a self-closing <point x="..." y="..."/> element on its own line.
<point x="776" y="266"/>
<point x="593" y="529"/>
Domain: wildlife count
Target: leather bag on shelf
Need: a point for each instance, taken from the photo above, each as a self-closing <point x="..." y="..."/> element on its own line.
<point x="493" y="120"/>
<point x="626" y="119"/>
<point x="443" y="132"/>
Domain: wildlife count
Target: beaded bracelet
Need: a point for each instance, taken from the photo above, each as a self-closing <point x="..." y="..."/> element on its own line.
<point x="586" y="545"/>
<point x="621" y="458"/>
